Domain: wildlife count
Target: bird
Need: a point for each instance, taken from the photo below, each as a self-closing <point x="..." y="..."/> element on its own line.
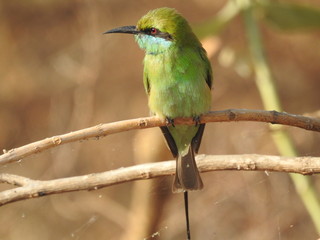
<point x="177" y="78"/>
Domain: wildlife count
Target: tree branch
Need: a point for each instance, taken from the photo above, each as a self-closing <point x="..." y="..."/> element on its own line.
<point x="35" y="188"/>
<point x="102" y="130"/>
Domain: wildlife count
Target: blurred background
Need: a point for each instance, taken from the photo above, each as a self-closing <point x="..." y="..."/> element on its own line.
<point x="60" y="74"/>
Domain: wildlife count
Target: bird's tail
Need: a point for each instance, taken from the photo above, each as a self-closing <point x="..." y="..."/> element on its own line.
<point x="187" y="176"/>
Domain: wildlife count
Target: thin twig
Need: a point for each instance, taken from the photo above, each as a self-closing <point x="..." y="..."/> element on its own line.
<point x="102" y="130"/>
<point x="36" y="188"/>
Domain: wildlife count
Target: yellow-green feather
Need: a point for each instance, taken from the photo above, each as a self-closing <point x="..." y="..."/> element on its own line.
<point x="177" y="76"/>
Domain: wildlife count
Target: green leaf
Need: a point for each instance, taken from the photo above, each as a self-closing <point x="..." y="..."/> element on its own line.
<point x="290" y="16"/>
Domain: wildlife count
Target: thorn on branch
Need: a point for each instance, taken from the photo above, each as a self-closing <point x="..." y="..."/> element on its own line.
<point x="56" y="140"/>
<point x="231" y="115"/>
<point x="143" y="123"/>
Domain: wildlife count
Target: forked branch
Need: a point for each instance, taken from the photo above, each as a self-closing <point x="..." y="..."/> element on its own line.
<point x="34" y="188"/>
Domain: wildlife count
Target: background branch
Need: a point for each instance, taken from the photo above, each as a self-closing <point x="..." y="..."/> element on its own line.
<point x="35" y="188"/>
<point x="267" y="87"/>
<point x="102" y="130"/>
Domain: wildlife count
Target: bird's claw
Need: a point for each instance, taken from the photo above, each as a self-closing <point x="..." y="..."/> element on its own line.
<point x="196" y="119"/>
<point x="170" y="121"/>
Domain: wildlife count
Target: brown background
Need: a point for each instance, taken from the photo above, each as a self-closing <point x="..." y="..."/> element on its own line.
<point x="59" y="74"/>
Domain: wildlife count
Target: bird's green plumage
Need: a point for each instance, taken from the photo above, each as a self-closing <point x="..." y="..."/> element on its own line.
<point x="177" y="79"/>
<point x="168" y="20"/>
<point x="176" y="83"/>
<point x="177" y="75"/>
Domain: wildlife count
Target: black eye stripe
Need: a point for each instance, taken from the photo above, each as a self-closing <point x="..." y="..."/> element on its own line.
<point x="157" y="33"/>
<point x="151" y="31"/>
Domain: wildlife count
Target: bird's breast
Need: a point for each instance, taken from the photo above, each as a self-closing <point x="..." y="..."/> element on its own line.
<point x="179" y="98"/>
<point x="178" y="85"/>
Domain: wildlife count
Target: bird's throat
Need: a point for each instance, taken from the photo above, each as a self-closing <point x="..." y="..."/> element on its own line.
<point x="153" y="45"/>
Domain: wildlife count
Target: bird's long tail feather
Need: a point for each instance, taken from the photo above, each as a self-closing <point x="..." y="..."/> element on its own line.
<point x="187" y="176"/>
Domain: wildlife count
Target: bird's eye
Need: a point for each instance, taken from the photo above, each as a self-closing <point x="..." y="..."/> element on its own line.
<point x="153" y="31"/>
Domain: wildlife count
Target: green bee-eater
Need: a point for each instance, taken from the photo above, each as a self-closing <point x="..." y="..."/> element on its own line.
<point x="177" y="79"/>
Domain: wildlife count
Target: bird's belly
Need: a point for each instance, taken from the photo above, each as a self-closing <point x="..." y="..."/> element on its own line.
<point x="180" y="100"/>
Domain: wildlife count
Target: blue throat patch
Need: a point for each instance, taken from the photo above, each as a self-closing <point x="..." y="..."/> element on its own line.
<point x="152" y="45"/>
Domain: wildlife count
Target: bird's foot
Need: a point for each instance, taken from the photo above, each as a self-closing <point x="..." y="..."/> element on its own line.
<point x="196" y="120"/>
<point x="170" y="121"/>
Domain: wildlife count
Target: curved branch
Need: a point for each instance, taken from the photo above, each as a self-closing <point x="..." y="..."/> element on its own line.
<point x="35" y="188"/>
<point x="102" y="130"/>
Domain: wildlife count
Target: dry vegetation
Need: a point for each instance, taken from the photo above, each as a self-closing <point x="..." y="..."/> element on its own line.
<point x="60" y="74"/>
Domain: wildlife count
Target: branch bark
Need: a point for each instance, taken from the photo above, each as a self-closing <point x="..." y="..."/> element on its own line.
<point x="102" y="130"/>
<point x="29" y="188"/>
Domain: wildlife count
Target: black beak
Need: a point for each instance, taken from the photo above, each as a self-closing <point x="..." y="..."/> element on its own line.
<point x="125" y="29"/>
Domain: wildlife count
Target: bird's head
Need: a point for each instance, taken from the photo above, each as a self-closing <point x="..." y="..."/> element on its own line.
<point x="159" y="30"/>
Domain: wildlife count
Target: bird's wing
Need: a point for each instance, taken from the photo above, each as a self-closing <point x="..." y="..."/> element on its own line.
<point x="146" y="83"/>
<point x="196" y="141"/>
<point x="170" y="141"/>
<point x="209" y="77"/>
